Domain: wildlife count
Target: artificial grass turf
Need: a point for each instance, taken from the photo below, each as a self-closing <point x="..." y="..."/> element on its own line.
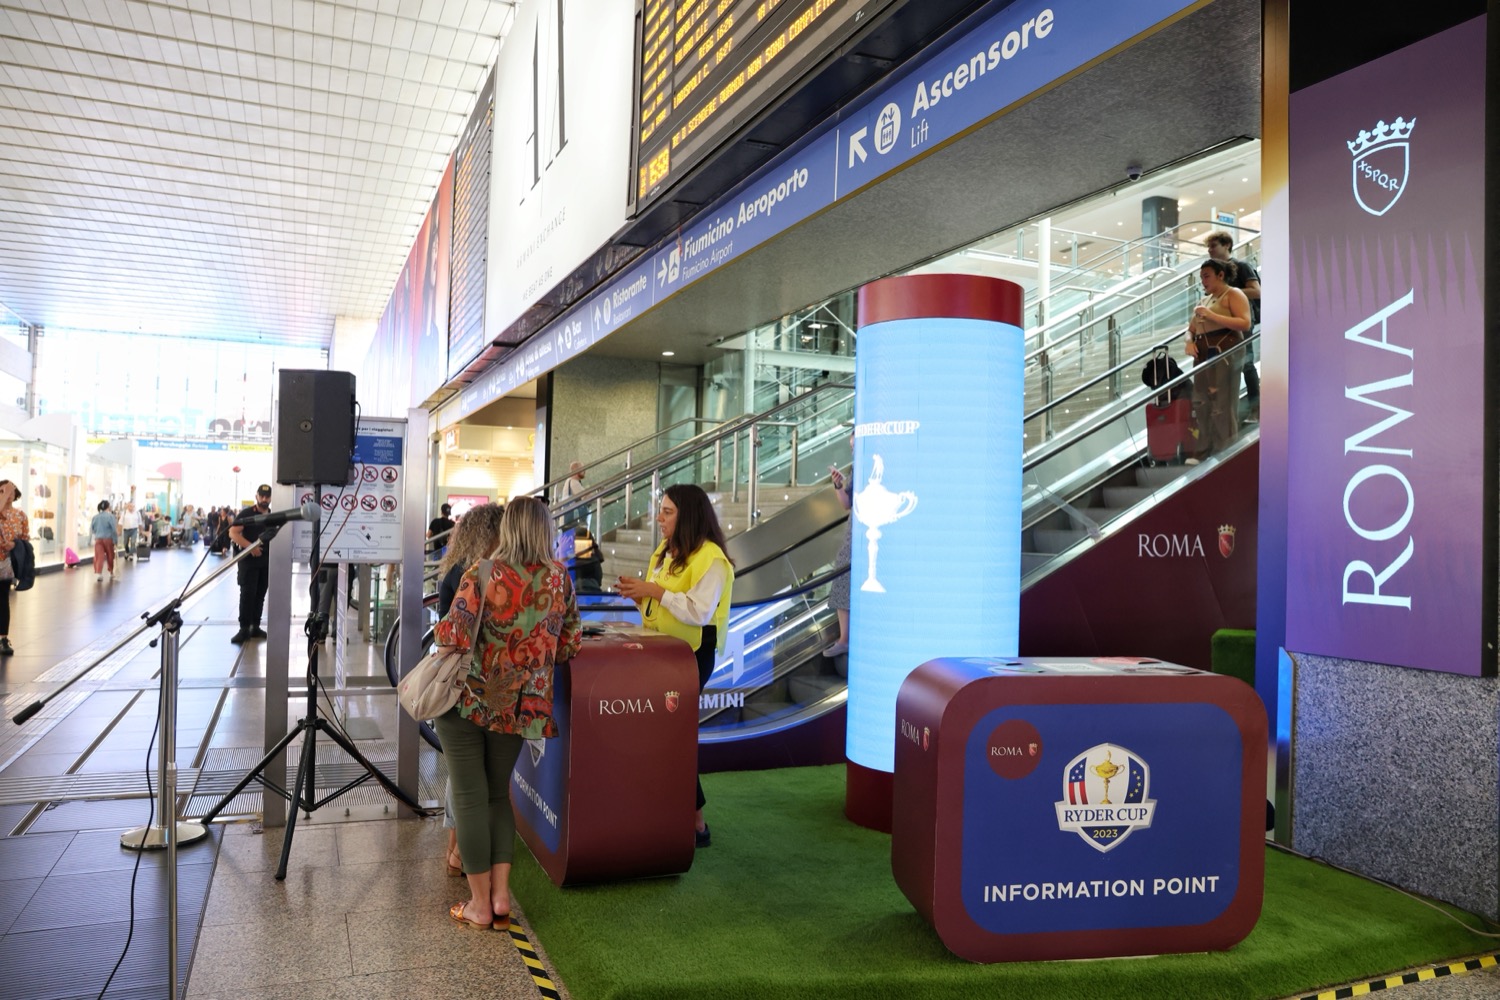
<point x="793" y="899"/>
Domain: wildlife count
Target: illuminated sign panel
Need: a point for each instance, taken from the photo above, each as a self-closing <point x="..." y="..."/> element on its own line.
<point x="1386" y="518"/>
<point x="707" y="65"/>
<point x="936" y="565"/>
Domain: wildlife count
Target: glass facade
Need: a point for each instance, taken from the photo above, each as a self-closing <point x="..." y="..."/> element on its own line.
<point x="142" y="386"/>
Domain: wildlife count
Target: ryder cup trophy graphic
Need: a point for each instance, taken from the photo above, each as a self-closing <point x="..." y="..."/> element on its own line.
<point x="875" y="507"/>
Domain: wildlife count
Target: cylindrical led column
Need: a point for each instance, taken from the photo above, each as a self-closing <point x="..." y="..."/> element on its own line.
<point x="936" y="565"/>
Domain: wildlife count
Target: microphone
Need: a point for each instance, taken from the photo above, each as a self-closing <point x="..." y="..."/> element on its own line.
<point x="309" y="511"/>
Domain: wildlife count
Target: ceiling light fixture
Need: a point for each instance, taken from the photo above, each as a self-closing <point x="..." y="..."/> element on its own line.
<point x="668" y="354"/>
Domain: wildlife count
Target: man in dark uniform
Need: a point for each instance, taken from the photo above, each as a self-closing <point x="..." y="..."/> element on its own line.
<point x="439" y="526"/>
<point x="254" y="569"/>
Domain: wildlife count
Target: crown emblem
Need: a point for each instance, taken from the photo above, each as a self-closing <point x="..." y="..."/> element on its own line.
<point x="673" y="699"/>
<point x="1382" y="134"/>
<point x="1227" y="529"/>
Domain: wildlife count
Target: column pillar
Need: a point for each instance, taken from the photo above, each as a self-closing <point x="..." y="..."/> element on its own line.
<point x="937" y="485"/>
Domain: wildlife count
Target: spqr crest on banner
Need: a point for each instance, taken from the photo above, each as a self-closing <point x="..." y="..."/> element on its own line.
<point x="1382" y="162"/>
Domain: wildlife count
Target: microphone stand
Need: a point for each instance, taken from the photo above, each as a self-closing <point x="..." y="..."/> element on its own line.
<point x="303" y="789"/>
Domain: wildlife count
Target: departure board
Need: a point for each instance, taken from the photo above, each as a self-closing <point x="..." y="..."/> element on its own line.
<point x="706" y="65"/>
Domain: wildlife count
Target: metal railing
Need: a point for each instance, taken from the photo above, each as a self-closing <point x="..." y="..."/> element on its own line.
<point x="734" y="447"/>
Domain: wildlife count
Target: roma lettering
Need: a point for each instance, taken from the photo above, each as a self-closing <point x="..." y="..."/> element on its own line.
<point x="625" y="706"/>
<point x="1385" y="487"/>
<point x="1164" y="546"/>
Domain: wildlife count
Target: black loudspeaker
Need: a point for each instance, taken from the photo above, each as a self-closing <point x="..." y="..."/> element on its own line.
<point x="315" y="427"/>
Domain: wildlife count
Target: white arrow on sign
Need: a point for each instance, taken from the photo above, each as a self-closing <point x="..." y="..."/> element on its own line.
<point x="857" y="145"/>
<point x="661" y="272"/>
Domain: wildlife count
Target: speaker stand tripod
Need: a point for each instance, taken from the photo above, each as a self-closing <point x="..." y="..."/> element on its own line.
<point x="309" y="726"/>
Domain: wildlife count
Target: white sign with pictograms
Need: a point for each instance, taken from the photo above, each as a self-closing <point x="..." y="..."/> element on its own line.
<point x="361" y="521"/>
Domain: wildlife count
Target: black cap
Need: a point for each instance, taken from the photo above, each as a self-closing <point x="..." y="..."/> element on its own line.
<point x="263" y="490"/>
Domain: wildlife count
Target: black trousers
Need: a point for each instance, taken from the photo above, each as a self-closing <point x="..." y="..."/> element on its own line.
<point x="705" y="654"/>
<point x="5" y="586"/>
<point x="255" y="577"/>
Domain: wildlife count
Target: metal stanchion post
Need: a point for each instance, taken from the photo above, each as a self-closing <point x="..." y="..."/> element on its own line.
<point x="169" y="790"/>
<point x="155" y="837"/>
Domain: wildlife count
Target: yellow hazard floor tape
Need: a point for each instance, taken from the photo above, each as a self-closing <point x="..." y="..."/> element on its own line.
<point x="1419" y="976"/>
<point x="544" y="985"/>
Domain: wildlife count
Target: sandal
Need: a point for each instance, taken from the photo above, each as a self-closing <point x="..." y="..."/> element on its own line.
<point x="456" y="912"/>
<point x="456" y="871"/>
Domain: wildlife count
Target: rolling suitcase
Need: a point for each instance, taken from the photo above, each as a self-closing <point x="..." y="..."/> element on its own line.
<point x="1169" y="431"/>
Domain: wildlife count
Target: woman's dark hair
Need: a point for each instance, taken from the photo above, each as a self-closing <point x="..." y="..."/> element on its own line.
<point x="1224" y="268"/>
<point x="696" y="523"/>
<point x="103" y="505"/>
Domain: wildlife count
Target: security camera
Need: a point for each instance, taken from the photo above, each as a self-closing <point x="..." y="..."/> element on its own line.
<point x="1134" y="171"/>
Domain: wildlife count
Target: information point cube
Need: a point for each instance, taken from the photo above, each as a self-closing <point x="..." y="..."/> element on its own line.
<point x="1057" y="808"/>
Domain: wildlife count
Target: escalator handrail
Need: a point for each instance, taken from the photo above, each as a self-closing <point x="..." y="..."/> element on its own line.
<point x="546" y="488"/>
<point x="1051" y="349"/>
<point x="1085" y="428"/>
<point x="1141" y="242"/>
<point x="791" y="547"/>
<point x="1177" y="271"/>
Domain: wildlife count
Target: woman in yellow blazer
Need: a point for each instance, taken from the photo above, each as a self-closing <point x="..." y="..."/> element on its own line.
<point x="686" y="591"/>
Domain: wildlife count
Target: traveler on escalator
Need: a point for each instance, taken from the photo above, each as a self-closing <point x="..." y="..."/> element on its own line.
<point x="686" y="591"/>
<point x="838" y="590"/>
<point x="1217" y="327"/>
<point x="1247" y="279"/>
<point x="588" y="562"/>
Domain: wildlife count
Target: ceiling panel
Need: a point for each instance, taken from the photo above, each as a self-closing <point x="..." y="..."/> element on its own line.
<point x="246" y="170"/>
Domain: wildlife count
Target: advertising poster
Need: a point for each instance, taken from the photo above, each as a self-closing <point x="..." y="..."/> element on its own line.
<point x="1386" y="507"/>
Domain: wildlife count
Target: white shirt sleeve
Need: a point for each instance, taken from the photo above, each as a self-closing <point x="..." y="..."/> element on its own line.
<point x="696" y="606"/>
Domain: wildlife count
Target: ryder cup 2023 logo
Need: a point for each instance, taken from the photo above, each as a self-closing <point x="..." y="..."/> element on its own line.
<point x="1105" y="796"/>
<point x="1382" y="160"/>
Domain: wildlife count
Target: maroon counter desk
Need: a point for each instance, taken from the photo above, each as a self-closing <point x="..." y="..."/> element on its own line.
<point x="611" y="797"/>
<point x="1051" y="808"/>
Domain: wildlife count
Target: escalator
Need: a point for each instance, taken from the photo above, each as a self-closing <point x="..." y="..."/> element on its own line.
<point x="774" y="700"/>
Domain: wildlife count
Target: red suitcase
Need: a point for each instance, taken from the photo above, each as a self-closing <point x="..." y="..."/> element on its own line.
<point x="1169" y="431"/>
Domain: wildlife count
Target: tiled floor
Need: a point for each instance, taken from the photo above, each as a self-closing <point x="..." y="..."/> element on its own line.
<point x="362" y="912"/>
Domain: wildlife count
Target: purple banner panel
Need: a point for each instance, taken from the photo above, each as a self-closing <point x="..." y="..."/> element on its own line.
<point x="1386" y="468"/>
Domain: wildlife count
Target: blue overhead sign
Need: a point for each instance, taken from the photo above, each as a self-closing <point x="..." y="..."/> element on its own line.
<point x="948" y="91"/>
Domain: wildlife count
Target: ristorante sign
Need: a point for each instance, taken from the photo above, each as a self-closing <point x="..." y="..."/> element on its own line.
<point x="1387" y="510"/>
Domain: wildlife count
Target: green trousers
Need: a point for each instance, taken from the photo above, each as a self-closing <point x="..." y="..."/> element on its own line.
<point x="479" y="766"/>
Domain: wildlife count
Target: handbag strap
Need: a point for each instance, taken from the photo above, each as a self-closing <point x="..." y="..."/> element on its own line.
<point x="486" y="567"/>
